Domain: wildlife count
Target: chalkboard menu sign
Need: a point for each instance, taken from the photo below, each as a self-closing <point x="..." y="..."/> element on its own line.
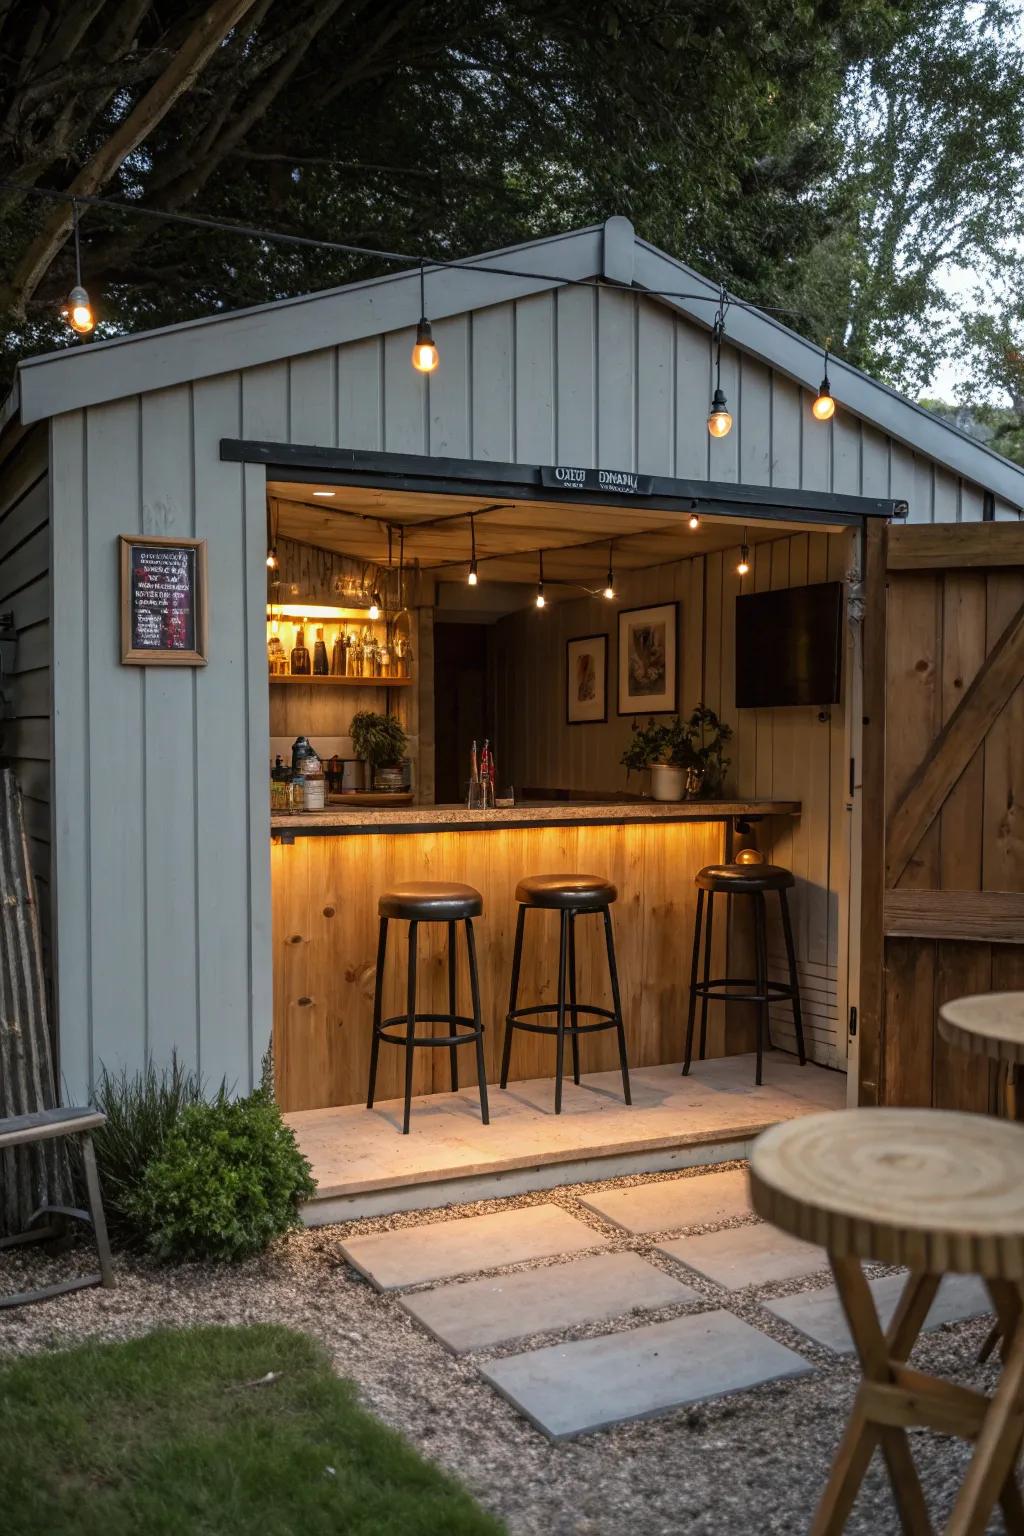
<point x="163" y="601"/>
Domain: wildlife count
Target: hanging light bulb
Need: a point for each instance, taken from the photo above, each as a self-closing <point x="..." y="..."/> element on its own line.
<point x="272" y="559"/>
<point x="693" y="521"/>
<point x="743" y="569"/>
<point x="375" y="605"/>
<point x="76" y="309"/>
<point x="824" y="407"/>
<point x="609" y="589"/>
<point x="472" y="577"/>
<point x="540" y="583"/>
<point x="719" y="419"/>
<point x="424" y="353"/>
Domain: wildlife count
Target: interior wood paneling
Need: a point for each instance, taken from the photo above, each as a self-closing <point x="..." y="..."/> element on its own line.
<point x="325" y="936"/>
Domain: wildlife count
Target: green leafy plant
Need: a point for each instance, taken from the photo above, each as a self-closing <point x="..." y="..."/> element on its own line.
<point x="378" y="739"/>
<point x="228" y="1180"/>
<point x="698" y="742"/>
<point x="142" y="1110"/>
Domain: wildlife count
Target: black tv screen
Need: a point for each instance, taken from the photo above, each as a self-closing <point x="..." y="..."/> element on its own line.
<point x="789" y="646"/>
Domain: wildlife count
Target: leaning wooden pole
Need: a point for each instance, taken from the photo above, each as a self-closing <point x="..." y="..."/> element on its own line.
<point x="38" y="1174"/>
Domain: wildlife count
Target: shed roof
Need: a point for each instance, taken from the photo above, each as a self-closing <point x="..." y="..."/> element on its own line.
<point x="84" y="375"/>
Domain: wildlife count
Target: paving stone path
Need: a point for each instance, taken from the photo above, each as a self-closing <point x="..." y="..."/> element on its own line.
<point x="566" y="1276"/>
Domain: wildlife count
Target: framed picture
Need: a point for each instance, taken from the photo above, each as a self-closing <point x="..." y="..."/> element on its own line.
<point x="649" y="660"/>
<point x="586" y="680"/>
<point x="163" y="601"/>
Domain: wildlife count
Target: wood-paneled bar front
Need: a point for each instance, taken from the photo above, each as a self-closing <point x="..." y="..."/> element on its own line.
<point x="325" y="885"/>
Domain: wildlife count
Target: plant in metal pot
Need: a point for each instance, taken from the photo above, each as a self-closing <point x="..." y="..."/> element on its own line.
<point x="681" y="752"/>
<point x="706" y="738"/>
<point x="378" y="739"/>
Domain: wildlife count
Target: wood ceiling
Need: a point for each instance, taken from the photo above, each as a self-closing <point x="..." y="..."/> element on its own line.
<point x="573" y="535"/>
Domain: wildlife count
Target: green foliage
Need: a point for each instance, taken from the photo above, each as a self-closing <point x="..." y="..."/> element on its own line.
<point x="186" y="1432"/>
<point x="698" y="742"/>
<point x="378" y="739"/>
<point x="228" y="1179"/>
<point x="142" y="1110"/>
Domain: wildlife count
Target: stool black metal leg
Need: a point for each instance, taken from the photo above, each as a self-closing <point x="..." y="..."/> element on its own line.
<point x="761" y="984"/>
<point x="410" y="1008"/>
<point x="574" y="1017"/>
<point x="378" y="994"/>
<point x="707" y="975"/>
<point x="794" y="983"/>
<point x="620" y="1028"/>
<point x="453" y="1001"/>
<point x="563" y="955"/>
<point x="513" y="997"/>
<point x="694" y="961"/>
<point x="478" y="1020"/>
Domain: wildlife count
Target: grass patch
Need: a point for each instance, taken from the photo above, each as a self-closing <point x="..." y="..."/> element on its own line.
<point x="172" y="1436"/>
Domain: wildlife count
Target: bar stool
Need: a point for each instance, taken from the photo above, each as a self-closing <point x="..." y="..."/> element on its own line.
<point x="429" y="901"/>
<point x="571" y="896"/>
<point x="739" y="880"/>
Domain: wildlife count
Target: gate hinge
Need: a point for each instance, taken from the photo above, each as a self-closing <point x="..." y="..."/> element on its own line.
<point x="853" y="1022"/>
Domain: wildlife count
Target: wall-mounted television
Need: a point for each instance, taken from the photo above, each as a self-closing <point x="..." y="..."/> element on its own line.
<point x="789" y="646"/>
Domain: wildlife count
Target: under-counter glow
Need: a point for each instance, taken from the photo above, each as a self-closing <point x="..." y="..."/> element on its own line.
<point x="302" y="611"/>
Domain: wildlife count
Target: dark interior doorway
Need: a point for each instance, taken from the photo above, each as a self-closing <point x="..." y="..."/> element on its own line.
<point x="463" y="703"/>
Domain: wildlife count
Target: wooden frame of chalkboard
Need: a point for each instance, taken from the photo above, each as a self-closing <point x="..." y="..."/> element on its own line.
<point x="163" y="601"/>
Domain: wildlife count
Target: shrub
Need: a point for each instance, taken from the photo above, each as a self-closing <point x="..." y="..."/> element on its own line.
<point x="228" y="1179"/>
<point x="141" y="1110"/>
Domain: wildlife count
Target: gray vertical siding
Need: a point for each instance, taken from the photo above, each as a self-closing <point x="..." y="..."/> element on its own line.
<point x="161" y="820"/>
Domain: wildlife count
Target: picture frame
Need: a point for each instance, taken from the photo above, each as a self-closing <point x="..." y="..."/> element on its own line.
<point x="164" y="614"/>
<point x="648" y="663"/>
<point x="586" y="680"/>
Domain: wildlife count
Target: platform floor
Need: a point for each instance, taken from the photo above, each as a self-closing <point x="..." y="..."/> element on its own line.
<point x="356" y="1152"/>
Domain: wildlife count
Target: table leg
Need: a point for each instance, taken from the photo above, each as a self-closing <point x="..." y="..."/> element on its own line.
<point x="877" y="1354"/>
<point x="992" y="1467"/>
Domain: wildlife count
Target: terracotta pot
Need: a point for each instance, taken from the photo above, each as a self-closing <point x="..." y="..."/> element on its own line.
<point x="667" y="782"/>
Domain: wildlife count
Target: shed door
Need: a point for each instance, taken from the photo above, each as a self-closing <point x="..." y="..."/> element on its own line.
<point x="943" y="799"/>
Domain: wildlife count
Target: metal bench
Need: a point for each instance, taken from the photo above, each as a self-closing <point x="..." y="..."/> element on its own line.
<point x="18" y="1130"/>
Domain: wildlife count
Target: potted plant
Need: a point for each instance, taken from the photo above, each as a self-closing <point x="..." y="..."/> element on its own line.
<point x="685" y="758"/>
<point x="380" y="741"/>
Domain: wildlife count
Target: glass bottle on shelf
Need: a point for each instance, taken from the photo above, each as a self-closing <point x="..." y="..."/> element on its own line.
<point x="300" y="663"/>
<point x="338" y="655"/>
<point x="320" y="664"/>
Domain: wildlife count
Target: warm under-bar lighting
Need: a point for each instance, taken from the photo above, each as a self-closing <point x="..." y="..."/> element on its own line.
<point x="324" y="493"/>
<point x="312" y="611"/>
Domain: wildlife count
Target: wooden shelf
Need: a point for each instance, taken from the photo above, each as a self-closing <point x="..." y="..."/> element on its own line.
<point x="342" y="682"/>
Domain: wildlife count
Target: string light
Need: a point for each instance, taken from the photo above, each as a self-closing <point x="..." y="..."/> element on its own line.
<point x="472" y="577"/>
<point x="719" y="419"/>
<point x="540" y="582"/>
<point x="609" y="590"/>
<point x="77" y="310"/>
<point x="824" y="407"/>
<point x="693" y="521"/>
<point x="424" y="352"/>
<point x="375" y="605"/>
<point x="743" y="569"/>
<point x="272" y="559"/>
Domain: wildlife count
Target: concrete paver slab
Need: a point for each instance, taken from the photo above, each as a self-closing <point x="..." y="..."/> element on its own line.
<point x="819" y="1314"/>
<point x="669" y="1205"/>
<point x="753" y="1255"/>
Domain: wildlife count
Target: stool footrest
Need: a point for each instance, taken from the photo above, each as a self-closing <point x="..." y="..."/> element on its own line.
<point x="470" y="1029"/>
<point x="605" y="1018"/>
<point x="776" y="991"/>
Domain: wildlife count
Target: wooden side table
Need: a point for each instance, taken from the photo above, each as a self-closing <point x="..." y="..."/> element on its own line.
<point x="941" y="1192"/>
<point x="991" y="1024"/>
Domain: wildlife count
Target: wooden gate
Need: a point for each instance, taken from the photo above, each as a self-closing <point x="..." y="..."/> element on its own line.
<point x="942" y="909"/>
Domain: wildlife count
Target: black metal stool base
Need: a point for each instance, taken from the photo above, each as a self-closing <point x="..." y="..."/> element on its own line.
<point x="400" y="1028"/>
<point x="567" y="1010"/>
<point x="759" y="990"/>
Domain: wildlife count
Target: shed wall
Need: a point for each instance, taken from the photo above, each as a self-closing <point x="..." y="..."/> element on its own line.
<point x="162" y="851"/>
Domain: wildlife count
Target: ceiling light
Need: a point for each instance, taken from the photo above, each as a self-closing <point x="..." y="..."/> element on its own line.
<point x="609" y="590"/>
<point x="743" y="569"/>
<point x="693" y="522"/>
<point x="472" y="577"/>
<point x="375" y="605"/>
<point x="424" y="351"/>
<point x="271" y="559"/>
<point x="540" y="583"/>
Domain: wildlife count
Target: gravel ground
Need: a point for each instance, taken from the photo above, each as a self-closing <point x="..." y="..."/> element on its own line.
<point x="754" y="1462"/>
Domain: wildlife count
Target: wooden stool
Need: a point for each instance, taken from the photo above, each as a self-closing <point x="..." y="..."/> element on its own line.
<point x="429" y="901"/>
<point x="571" y="896"/>
<point x="751" y="880"/>
<point x="940" y="1192"/>
<point x="990" y="1024"/>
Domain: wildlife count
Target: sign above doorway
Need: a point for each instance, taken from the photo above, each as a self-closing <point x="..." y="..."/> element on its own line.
<point x="568" y="478"/>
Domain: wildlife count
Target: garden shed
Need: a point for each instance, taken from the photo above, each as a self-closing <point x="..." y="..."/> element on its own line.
<point x="563" y="431"/>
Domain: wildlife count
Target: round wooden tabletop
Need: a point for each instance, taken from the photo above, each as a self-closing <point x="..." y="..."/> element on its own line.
<point x="933" y="1189"/>
<point x="990" y="1024"/>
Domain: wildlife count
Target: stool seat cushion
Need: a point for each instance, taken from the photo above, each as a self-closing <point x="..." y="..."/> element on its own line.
<point x="744" y="879"/>
<point x="431" y="901"/>
<point x="583" y="893"/>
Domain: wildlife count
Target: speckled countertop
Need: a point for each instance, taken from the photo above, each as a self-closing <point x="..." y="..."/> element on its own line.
<point x="342" y="820"/>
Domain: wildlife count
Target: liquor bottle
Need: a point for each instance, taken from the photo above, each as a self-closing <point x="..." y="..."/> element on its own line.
<point x="300" y="655"/>
<point x="338" y="655"/>
<point x="320" y="666"/>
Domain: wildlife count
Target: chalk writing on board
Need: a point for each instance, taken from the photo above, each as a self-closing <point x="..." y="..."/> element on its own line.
<point x="163" y="597"/>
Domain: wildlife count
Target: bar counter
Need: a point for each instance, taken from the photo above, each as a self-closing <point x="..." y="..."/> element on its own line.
<point x="328" y="869"/>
